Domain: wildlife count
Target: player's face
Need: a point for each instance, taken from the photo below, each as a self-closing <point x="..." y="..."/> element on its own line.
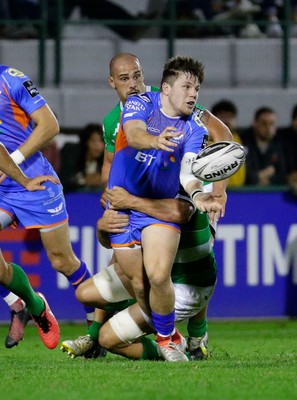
<point x="127" y="78"/>
<point x="183" y="95"/>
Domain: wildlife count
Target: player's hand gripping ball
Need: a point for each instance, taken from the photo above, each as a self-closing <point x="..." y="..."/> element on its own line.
<point x="218" y="161"/>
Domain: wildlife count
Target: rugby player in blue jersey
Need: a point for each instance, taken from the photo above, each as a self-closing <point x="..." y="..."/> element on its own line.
<point x="159" y="138"/>
<point x="127" y="78"/>
<point x="14" y="278"/>
<point x="28" y="124"/>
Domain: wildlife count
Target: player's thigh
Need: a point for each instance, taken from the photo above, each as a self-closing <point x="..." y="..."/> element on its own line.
<point x="108" y="285"/>
<point x="124" y="328"/>
<point x="160" y="243"/>
<point x="130" y="262"/>
<point x="87" y="293"/>
<point x="191" y="300"/>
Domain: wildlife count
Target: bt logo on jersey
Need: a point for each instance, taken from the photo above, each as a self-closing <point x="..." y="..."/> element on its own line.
<point x="143" y="157"/>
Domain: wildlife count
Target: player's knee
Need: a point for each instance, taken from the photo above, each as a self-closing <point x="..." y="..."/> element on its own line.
<point x="158" y="279"/>
<point x="81" y="292"/>
<point x="65" y="265"/>
<point x="106" y="339"/>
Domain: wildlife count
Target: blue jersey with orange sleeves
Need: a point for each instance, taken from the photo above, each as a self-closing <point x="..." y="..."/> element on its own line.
<point x="153" y="173"/>
<point x="18" y="99"/>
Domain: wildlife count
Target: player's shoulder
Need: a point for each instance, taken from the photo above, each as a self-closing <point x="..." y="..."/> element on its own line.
<point x="12" y="74"/>
<point x="145" y="98"/>
<point x="17" y="80"/>
<point x="113" y="117"/>
<point x="113" y="114"/>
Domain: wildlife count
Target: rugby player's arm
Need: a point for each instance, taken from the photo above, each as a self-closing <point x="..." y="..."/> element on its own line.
<point x="138" y="137"/>
<point x="107" y="160"/>
<point x="178" y="211"/>
<point x="217" y="130"/>
<point x="10" y="168"/>
<point x="205" y="202"/>
<point x="111" y="222"/>
<point x="46" y="128"/>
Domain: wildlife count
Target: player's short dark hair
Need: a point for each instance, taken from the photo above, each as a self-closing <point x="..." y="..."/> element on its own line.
<point x="225" y="106"/>
<point x="181" y="64"/>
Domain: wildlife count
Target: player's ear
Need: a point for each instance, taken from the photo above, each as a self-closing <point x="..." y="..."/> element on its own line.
<point x="165" y="88"/>
<point x="111" y="82"/>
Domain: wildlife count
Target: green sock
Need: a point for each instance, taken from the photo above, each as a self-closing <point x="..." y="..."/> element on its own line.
<point x="94" y="329"/>
<point x="150" y="349"/>
<point x="20" y="285"/>
<point x="197" y="328"/>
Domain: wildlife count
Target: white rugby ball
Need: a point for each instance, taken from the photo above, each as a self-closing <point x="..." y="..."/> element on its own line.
<point x="218" y="161"/>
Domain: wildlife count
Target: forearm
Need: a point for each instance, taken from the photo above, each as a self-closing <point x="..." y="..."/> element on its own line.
<point x="105" y="174"/>
<point x="169" y="210"/>
<point x="217" y="130"/>
<point x="140" y="139"/>
<point x="220" y="187"/>
<point x="103" y="239"/>
<point x="46" y="128"/>
<point x="102" y="236"/>
<point x="10" y="168"/>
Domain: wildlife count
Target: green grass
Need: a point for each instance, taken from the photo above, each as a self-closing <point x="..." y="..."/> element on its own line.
<point x="249" y="361"/>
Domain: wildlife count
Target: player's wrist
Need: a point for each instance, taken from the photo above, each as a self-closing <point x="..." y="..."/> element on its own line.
<point x="195" y="192"/>
<point x="17" y="157"/>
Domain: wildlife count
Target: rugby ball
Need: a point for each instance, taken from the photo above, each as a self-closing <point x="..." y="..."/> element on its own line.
<point x="218" y="161"/>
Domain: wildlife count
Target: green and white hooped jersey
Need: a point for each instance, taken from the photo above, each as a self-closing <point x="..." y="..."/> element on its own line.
<point x="195" y="262"/>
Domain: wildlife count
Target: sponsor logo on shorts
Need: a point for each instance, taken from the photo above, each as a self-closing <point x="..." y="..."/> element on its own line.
<point x="31" y="88"/>
<point x="56" y="210"/>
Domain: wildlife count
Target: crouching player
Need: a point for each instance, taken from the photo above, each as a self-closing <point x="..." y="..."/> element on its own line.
<point x="193" y="276"/>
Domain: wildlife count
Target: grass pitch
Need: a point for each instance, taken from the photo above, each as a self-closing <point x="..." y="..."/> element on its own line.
<point x="249" y="361"/>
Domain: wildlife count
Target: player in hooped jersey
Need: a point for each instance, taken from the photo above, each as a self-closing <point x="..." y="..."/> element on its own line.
<point x="27" y="124"/>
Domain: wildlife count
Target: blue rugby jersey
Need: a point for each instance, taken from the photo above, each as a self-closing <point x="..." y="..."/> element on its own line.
<point x="18" y="99"/>
<point x="154" y="173"/>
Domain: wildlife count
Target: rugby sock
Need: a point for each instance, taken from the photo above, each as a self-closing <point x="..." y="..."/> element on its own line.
<point x="163" y="324"/>
<point x="197" y="328"/>
<point x="79" y="276"/>
<point x="94" y="329"/>
<point x="20" y="285"/>
<point x="150" y="349"/>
